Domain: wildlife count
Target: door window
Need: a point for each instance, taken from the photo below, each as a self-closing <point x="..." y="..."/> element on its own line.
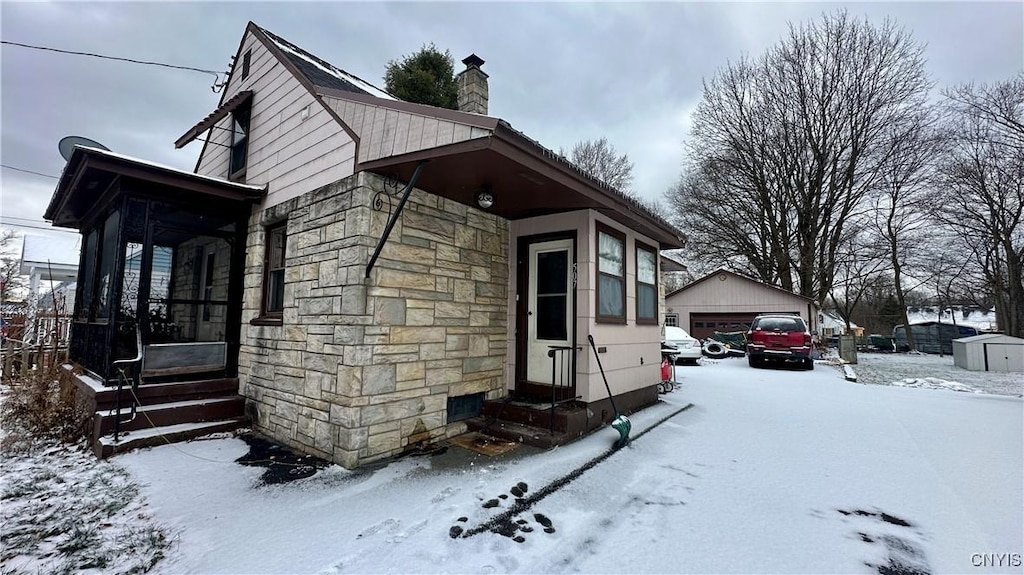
<point x="552" y="273"/>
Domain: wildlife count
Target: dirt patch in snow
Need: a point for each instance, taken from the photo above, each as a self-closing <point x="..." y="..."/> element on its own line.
<point x="282" y="465"/>
<point x="894" y="537"/>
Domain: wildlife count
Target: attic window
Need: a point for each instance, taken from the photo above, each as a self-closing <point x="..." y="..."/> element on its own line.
<point x="245" y="64"/>
<point x="239" y="141"/>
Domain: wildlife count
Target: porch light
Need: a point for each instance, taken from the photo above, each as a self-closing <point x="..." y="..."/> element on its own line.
<point x="484" y="200"/>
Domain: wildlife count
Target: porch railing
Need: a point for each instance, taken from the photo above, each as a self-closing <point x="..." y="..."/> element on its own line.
<point x="563" y="367"/>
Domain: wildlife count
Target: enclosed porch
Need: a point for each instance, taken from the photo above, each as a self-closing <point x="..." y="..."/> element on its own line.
<point x="157" y="309"/>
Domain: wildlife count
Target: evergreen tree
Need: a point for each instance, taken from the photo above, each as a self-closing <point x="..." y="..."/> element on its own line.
<point x="889" y="315"/>
<point x="426" y="77"/>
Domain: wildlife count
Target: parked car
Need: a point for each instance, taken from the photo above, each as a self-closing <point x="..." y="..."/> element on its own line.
<point x="687" y="347"/>
<point x="778" y="337"/>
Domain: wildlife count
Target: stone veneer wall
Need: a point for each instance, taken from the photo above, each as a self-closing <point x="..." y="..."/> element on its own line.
<point x="362" y="369"/>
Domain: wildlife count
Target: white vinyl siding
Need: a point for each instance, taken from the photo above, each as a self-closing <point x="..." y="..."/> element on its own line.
<point x="292" y="154"/>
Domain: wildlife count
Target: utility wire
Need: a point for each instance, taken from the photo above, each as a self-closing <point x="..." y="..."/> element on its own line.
<point x="29" y="171"/>
<point x="4" y="222"/>
<point x="215" y="73"/>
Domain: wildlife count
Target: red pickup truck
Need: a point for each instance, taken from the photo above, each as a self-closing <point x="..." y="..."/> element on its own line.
<point x="779" y="337"/>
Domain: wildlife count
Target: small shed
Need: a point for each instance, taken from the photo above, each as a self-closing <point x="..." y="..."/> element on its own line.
<point x="989" y="352"/>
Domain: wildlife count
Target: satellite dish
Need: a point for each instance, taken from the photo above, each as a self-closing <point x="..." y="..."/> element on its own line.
<point x="67" y="145"/>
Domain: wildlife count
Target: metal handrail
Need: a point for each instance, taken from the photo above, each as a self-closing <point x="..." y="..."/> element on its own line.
<point x="555" y="352"/>
<point x="120" y="365"/>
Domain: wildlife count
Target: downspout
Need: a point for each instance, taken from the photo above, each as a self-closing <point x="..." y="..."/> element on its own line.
<point x="394" y="217"/>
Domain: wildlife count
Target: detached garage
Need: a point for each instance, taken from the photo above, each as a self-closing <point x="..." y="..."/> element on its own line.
<point x="727" y="301"/>
<point x="989" y="352"/>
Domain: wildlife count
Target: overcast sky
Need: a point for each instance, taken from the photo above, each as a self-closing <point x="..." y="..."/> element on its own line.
<point x="559" y="72"/>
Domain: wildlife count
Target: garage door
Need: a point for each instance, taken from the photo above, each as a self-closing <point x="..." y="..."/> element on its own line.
<point x="704" y="325"/>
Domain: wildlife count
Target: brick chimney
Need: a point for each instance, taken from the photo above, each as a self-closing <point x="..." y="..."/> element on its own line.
<point x="472" y="86"/>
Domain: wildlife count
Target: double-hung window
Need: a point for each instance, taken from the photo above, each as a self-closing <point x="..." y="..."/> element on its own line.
<point x="273" y="271"/>
<point x="611" y="275"/>
<point x="646" y="285"/>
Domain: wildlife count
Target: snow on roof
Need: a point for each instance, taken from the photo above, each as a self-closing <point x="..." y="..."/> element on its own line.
<point x="187" y="173"/>
<point x="980" y="319"/>
<point x="327" y="67"/>
<point x="989" y="336"/>
<point x="834" y="321"/>
<point x="53" y="250"/>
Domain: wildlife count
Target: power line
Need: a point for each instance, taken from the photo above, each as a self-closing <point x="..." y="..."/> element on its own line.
<point x="4" y="221"/>
<point x="215" y="73"/>
<point x="29" y="172"/>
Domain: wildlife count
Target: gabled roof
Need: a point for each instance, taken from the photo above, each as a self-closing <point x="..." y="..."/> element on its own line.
<point x="322" y="73"/>
<point x="537" y="180"/>
<point x="740" y="276"/>
<point x="833" y="320"/>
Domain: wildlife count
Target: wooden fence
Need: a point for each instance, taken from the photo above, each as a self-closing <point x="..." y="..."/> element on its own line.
<point x="18" y="355"/>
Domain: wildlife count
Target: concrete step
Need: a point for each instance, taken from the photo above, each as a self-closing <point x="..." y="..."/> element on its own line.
<point x="569" y="417"/>
<point x="150" y="393"/>
<point x="172" y="413"/>
<point x="522" y="433"/>
<point x="163" y="435"/>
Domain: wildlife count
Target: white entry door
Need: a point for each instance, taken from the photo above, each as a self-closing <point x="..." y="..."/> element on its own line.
<point x="550" y="310"/>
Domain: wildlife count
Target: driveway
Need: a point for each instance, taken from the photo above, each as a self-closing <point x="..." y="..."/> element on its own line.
<point x="771" y="471"/>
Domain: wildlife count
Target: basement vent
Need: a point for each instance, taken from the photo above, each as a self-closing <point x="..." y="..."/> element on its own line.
<point x="464" y="407"/>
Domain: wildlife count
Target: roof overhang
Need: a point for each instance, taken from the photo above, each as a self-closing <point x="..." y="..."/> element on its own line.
<point x="50" y="271"/>
<point x="217" y="115"/>
<point x="90" y="172"/>
<point x="728" y="272"/>
<point x="525" y="180"/>
<point x="671" y="265"/>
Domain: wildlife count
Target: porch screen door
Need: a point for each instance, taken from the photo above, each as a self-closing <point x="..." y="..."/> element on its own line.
<point x="550" y="313"/>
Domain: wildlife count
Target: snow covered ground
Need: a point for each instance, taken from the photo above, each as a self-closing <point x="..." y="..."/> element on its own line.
<point x="771" y="471"/>
<point x="933" y="372"/>
<point x="65" y="512"/>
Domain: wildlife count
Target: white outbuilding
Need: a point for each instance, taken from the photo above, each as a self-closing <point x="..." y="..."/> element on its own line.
<point x="989" y="352"/>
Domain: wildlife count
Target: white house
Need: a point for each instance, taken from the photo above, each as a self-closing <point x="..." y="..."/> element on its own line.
<point x="363" y="272"/>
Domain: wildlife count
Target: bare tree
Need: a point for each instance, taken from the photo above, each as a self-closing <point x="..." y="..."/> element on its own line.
<point x="861" y="268"/>
<point x="600" y="159"/>
<point x="899" y="210"/>
<point x="997" y="106"/>
<point x="981" y="183"/>
<point x="11" y="280"/>
<point x="785" y="148"/>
